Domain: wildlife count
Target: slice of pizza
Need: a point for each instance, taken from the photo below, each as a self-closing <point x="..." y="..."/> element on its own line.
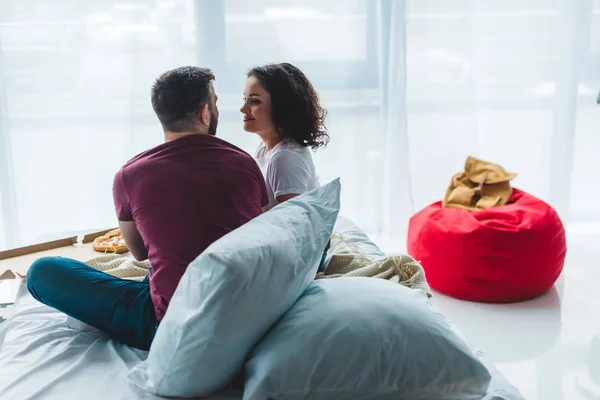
<point x="111" y="242"/>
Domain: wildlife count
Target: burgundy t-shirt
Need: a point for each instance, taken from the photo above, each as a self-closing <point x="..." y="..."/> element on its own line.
<point x="183" y="195"/>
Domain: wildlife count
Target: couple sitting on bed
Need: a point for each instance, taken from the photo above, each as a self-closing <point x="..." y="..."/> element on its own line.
<point x="176" y="199"/>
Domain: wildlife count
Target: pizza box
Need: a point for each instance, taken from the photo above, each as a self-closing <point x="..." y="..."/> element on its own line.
<point x="14" y="263"/>
<point x="9" y="285"/>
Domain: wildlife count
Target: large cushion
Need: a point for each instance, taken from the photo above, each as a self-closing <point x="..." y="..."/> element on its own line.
<point x="503" y="254"/>
<point x="363" y="338"/>
<point x="234" y="292"/>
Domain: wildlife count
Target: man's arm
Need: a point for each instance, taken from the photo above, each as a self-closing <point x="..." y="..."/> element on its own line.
<point x="133" y="240"/>
<point x="129" y="230"/>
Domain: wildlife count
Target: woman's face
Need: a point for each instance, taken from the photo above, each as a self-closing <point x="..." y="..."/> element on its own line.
<point x="256" y="109"/>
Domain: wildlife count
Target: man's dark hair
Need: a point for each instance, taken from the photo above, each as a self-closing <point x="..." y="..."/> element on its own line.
<point x="295" y="108"/>
<point x="178" y="94"/>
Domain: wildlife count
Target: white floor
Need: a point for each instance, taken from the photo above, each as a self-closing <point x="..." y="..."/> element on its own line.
<point x="549" y="347"/>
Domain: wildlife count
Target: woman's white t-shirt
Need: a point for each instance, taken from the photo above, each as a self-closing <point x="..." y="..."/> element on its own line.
<point x="288" y="169"/>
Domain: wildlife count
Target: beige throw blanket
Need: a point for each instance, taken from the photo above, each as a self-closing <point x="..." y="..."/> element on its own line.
<point x="121" y="265"/>
<point x="344" y="259"/>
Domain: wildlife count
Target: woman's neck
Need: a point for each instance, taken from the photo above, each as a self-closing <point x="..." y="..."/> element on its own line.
<point x="270" y="140"/>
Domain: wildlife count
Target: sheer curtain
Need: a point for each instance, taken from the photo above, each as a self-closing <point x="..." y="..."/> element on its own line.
<point x="412" y="88"/>
<point x="513" y="82"/>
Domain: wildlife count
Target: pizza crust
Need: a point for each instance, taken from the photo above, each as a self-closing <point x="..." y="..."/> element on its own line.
<point x="111" y="242"/>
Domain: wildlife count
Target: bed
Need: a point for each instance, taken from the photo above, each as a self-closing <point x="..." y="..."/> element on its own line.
<point x="43" y="356"/>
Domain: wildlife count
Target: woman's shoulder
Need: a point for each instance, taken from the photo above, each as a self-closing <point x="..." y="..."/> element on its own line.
<point x="292" y="150"/>
<point x="293" y="147"/>
<point x="292" y="158"/>
<point x="293" y="163"/>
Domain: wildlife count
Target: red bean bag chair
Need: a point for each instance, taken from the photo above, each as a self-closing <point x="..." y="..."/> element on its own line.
<point x="502" y="254"/>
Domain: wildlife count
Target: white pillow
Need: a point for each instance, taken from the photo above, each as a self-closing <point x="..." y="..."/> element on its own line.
<point x="234" y="292"/>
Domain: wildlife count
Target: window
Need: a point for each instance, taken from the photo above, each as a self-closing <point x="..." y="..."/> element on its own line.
<point x="513" y="82"/>
<point x="76" y="78"/>
<point x="336" y="45"/>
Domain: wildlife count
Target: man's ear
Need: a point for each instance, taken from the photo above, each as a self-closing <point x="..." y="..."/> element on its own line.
<point x="205" y="115"/>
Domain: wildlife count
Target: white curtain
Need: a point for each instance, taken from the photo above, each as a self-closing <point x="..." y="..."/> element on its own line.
<point x="412" y="87"/>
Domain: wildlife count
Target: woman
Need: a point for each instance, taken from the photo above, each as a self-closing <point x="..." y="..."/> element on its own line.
<point x="282" y="107"/>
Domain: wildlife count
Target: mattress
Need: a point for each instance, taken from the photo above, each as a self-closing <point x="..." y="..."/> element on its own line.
<point x="43" y="355"/>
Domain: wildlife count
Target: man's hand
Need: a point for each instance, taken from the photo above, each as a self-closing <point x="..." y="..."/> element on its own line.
<point x="133" y="240"/>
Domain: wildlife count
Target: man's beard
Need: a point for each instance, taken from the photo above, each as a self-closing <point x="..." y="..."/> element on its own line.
<point x="212" y="126"/>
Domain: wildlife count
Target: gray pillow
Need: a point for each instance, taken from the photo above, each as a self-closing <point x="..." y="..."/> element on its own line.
<point x="363" y="338"/>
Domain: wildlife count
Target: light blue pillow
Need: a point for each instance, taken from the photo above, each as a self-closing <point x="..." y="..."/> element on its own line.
<point x="363" y="338"/>
<point x="234" y="292"/>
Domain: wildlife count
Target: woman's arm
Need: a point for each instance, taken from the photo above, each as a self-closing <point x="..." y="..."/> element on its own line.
<point x="286" y="197"/>
<point x="288" y="176"/>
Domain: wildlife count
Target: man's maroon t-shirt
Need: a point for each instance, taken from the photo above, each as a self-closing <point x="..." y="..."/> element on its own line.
<point x="183" y="195"/>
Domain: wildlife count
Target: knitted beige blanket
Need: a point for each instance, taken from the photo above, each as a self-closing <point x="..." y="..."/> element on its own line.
<point x="121" y="265"/>
<point x="345" y="259"/>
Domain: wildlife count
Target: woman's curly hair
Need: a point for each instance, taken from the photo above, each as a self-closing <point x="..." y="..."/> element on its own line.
<point x="295" y="108"/>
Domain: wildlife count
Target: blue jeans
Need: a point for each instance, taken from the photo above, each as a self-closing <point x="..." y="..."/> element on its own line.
<point x="324" y="257"/>
<point x="121" y="308"/>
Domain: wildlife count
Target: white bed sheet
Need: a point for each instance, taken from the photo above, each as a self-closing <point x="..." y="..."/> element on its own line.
<point x="42" y="357"/>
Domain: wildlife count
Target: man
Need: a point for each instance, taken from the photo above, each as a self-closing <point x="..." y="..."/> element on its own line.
<point x="172" y="202"/>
